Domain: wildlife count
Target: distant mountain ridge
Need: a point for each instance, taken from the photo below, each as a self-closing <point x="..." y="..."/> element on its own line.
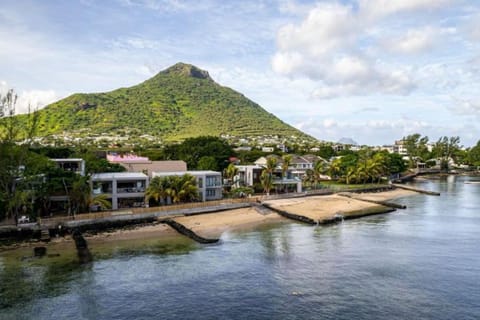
<point x="180" y="102"/>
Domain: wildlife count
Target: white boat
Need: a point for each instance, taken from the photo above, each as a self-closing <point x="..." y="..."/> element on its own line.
<point x="473" y="182"/>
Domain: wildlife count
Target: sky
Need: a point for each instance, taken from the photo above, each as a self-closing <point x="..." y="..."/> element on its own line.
<point x="371" y="70"/>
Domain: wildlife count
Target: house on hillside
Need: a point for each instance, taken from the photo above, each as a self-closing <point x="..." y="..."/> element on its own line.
<point x="209" y="183"/>
<point x="123" y="189"/>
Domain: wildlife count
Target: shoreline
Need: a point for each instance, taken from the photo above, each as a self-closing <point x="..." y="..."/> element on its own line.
<point x="215" y="224"/>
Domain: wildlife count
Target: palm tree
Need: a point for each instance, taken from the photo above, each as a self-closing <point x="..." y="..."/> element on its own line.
<point x="157" y="190"/>
<point x="287" y="160"/>
<point x="335" y="168"/>
<point x="182" y="188"/>
<point x="80" y="194"/>
<point x="100" y="200"/>
<point x="351" y="175"/>
<point x="271" y="165"/>
<point x="309" y="177"/>
<point x="188" y="189"/>
<point x="82" y="199"/>
<point x="231" y="172"/>
<point x="319" y="168"/>
<point x="376" y="167"/>
<point x="266" y="179"/>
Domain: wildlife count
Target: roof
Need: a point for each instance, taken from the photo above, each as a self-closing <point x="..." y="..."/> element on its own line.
<point x="156" y="166"/>
<point x="193" y="173"/>
<point x="126" y="158"/>
<point x="68" y="160"/>
<point x="119" y="175"/>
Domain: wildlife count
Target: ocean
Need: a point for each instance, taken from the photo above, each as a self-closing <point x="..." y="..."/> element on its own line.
<point x="419" y="263"/>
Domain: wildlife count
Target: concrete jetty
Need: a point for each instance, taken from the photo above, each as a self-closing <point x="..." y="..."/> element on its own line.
<point x="383" y="203"/>
<point x="431" y="193"/>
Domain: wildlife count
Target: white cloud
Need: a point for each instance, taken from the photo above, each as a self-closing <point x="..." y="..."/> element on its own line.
<point x="466" y="107"/>
<point x="29" y="100"/>
<point x="381" y="8"/>
<point x="414" y="41"/>
<point x="337" y="46"/>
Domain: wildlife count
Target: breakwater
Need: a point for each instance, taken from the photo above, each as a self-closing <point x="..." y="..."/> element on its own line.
<point x="383" y="203"/>
<point x="427" y="192"/>
<point x="180" y="228"/>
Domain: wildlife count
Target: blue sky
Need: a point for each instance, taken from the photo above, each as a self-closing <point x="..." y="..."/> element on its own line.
<point x="372" y="70"/>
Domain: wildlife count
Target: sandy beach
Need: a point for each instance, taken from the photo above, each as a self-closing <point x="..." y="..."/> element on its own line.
<point x="213" y="225"/>
<point x="320" y="208"/>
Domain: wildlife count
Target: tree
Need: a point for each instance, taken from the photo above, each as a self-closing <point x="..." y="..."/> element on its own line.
<point x="100" y="200"/>
<point x="271" y="165"/>
<point x="474" y="155"/>
<point x="444" y="149"/>
<point x="394" y="163"/>
<point x="79" y="194"/>
<point x="207" y="163"/>
<point x="266" y="179"/>
<point x="319" y="168"/>
<point x="230" y="173"/>
<point x="287" y="160"/>
<point x="326" y="152"/>
<point x="335" y="168"/>
<point x="416" y="146"/>
<point x="157" y="190"/>
<point x="15" y="157"/>
<point x="193" y="149"/>
<point x="182" y="188"/>
<point x="376" y="167"/>
<point x="176" y="188"/>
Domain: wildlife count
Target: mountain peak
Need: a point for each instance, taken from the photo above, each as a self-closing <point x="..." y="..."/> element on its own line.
<point x="188" y="70"/>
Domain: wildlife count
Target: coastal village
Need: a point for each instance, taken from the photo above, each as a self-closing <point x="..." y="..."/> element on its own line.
<point x="276" y="186"/>
<point x="261" y="160"/>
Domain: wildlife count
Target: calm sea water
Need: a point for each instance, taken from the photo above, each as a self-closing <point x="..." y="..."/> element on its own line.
<point x="419" y="263"/>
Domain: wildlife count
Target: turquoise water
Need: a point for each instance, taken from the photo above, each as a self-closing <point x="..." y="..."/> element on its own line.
<point x="418" y="263"/>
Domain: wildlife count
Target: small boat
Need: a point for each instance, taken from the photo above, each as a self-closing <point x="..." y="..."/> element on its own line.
<point x="472" y="182"/>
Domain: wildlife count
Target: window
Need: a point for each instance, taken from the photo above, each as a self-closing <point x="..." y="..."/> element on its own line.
<point x="212" y="181"/>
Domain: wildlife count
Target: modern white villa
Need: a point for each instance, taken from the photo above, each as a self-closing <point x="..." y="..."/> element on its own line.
<point x="123" y="189"/>
<point x="209" y="183"/>
<point x="249" y="175"/>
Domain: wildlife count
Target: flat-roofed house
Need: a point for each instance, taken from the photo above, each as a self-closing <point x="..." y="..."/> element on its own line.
<point x="209" y="183"/>
<point x="123" y="189"/>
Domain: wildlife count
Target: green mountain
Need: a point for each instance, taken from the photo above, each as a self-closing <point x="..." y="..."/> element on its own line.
<point x="179" y="102"/>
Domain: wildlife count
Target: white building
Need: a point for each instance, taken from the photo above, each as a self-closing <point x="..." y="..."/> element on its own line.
<point x="400" y="148"/>
<point x="123" y="189"/>
<point x="248" y="175"/>
<point x="209" y="183"/>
